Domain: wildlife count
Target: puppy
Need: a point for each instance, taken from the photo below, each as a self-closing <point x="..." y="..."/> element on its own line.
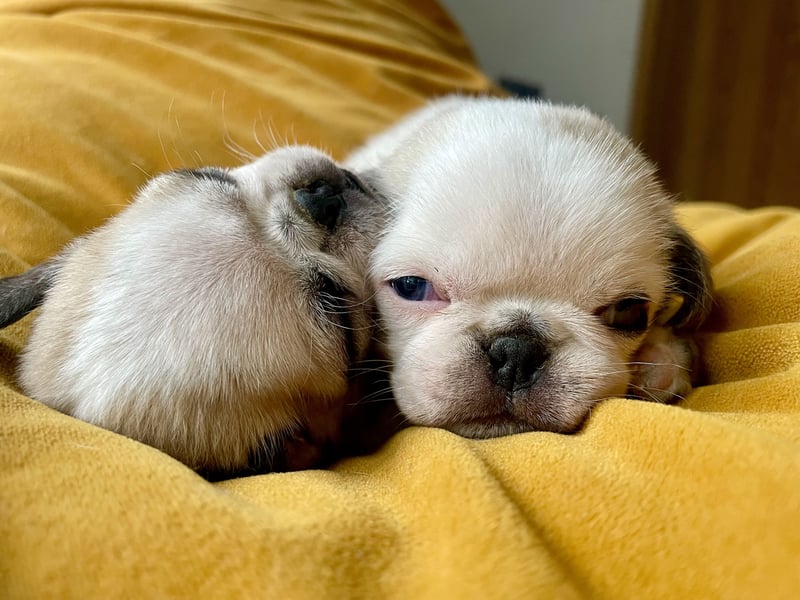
<point x="532" y="266"/>
<point x="216" y="318"/>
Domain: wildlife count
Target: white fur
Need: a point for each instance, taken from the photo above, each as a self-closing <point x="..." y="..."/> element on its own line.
<point x="516" y="211"/>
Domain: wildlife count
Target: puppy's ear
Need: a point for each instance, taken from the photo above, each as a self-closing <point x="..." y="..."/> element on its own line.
<point x="20" y="294"/>
<point x="690" y="281"/>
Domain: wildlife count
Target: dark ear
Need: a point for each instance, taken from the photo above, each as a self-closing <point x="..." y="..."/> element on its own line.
<point x="690" y="278"/>
<point x="20" y="294"/>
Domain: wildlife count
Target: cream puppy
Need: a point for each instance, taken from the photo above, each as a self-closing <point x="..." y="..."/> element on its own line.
<point x="532" y="266"/>
<point x="216" y="318"/>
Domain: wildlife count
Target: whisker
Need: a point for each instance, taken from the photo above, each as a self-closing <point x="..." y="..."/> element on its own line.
<point x="364" y="370"/>
<point x="142" y="170"/>
<point x="164" y="149"/>
<point x="170" y="116"/>
<point x="234" y="147"/>
<point x="346" y="328"/>
<point x="237" y="150"/>
<point x="660" y="364"/>
<point x="199" y="159"/>
<point x="652" y="396"/>
<point x="260" y="119"/>
<point x="376" y="397"/>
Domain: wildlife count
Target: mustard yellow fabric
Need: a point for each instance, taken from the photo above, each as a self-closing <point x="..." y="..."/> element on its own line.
<point x="699" y="500"/>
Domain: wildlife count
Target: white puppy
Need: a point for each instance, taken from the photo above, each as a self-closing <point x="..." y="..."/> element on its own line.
<point x="532" y="267"/>
<point x="216" y="318"/>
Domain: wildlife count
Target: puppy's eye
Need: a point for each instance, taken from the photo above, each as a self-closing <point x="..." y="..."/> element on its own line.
<point x="629" y="315"/>
<point x="415" y="289"/>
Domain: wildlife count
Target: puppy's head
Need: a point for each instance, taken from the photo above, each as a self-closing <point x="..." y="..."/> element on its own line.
<point x="317" y="223"/>
<point x="531" y="247"/>
<point x="222" y="309"/>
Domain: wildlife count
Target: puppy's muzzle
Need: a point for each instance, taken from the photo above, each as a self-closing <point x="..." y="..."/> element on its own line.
<point x="516" y="361"/>
<point x="323" y="202"/>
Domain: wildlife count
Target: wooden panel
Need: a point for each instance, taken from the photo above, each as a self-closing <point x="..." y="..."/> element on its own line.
<point x="717" y="99"/>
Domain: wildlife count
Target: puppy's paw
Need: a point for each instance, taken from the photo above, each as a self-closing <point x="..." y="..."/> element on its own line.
<point x="664" y="368"/>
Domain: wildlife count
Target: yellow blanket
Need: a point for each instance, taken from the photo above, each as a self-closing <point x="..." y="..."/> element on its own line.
<point x="698" y="500"/>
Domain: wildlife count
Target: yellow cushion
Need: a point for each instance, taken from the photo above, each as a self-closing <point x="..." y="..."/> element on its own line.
<point x="696" y="500"/>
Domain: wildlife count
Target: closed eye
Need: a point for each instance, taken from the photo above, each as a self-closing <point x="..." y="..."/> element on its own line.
<point x="629" y="315"/>
<point x="213" y="174"/>
<point x="354" y="182"/>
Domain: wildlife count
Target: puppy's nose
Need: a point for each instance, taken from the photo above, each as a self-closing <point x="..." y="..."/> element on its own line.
<point x="516" y="361"/>
<point x="322" y="201"/>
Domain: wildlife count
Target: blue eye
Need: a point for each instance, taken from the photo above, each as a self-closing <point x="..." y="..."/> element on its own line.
<point x="415" y="289"/>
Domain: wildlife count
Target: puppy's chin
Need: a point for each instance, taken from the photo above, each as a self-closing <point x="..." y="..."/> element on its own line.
<point x="451" y="369"/>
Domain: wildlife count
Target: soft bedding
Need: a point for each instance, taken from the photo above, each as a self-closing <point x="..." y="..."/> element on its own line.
<point x="698" y="500"/>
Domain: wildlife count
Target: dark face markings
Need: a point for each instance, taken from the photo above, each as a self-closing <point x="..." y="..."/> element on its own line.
<point x="211" y="174"/>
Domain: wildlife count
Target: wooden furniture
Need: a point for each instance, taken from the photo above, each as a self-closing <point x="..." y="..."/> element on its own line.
<point x="717" y="99"/>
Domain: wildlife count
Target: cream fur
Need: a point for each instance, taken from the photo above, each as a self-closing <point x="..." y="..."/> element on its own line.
<point x="190" y="321"/>
<point x="525" y="217"/>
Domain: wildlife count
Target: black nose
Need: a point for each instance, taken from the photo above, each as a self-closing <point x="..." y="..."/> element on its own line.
<point x="516" y="360"/>
<point x="322" y="201"/>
